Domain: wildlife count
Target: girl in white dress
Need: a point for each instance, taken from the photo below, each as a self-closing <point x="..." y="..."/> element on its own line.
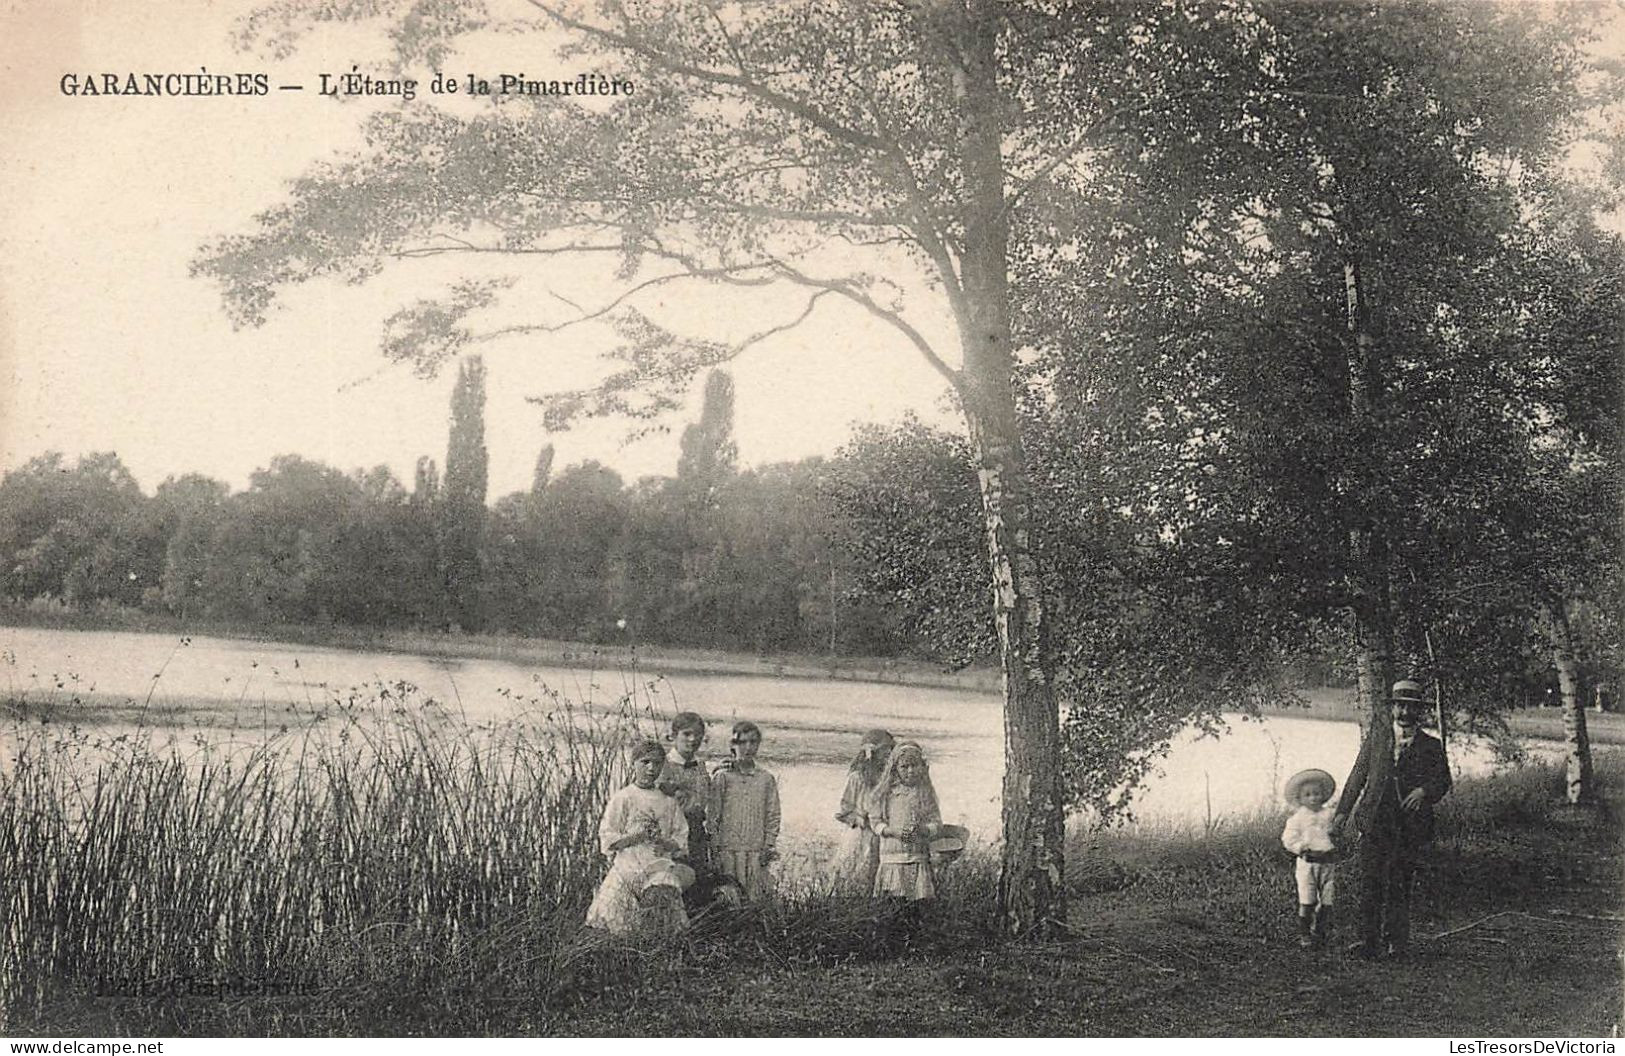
<point x="907" y="818"/>
<point x="859" y="855"/>
<point x="641" y="829"/>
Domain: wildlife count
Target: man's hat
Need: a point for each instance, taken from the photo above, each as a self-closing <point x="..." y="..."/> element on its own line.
<point x="1407" y="692"/>
<point x="1407" y="697"/>
<point x="1297" y="781"/>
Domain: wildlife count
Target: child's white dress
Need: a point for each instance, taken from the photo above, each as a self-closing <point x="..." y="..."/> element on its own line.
<point x="1311" y="830"/>
<point x="858" y="855"/>
<point x="905" y="868"/>
<point x="615" y="907"/>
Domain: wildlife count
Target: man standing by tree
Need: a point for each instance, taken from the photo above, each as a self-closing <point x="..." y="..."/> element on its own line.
<point x="1395" y="817"/>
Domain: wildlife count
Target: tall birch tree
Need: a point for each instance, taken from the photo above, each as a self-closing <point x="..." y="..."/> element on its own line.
<point x="757" y="137"/>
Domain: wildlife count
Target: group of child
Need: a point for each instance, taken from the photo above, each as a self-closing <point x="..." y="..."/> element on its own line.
<point x="683" y="836"/>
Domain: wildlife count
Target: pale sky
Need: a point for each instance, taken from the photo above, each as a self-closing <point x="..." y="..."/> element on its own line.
<point x="107" y="344"/>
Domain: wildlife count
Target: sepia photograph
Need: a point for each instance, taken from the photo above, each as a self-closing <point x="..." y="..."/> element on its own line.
<point x="950" y="519"/>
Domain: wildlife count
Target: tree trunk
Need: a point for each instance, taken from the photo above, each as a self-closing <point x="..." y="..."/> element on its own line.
<point x="1438" y="691"/>
<point x="1574" y="715"/>
<point x="1031" y="894"/>
<point x="1374" y="659"/>
<point x="834" y="598"/>
<point x="1368" y="558"/>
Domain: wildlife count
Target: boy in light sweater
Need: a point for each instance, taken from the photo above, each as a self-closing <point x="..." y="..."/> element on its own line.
<point x="744" y="815"/>
<point x="1308" y="836"/>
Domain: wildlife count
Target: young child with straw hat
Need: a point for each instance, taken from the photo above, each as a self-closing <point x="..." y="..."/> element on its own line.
<point x="1308" y="835"/>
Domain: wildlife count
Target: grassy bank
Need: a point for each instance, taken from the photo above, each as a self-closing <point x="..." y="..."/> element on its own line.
<point x="390" y="873"/>
<point x="1540" y="724"/>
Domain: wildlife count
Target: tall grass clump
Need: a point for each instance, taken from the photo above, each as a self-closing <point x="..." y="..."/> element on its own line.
<point x="1514" y="834"/>
<point x="1532" y="793"/>
<point x="381" y="849"/>
<point x="1230" y="868"/>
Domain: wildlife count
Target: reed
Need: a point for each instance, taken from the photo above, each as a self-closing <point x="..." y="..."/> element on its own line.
<point x="380" y="839"/>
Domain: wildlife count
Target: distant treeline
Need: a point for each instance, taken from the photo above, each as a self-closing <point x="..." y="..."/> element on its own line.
<point x="711" y="557"/>
<point x="875" y="551"/>
<point x="751" y="559"/>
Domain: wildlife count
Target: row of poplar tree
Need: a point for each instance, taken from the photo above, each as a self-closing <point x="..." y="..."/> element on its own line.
<point x="875" y="551"/>
<point x="712" y="556"/>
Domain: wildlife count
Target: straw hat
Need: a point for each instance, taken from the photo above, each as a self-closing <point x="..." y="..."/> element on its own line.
<point x="1297" y="781"/>
<point x="949" y="841"/>
<point x="663" y="872"/>
<point x="1407" y="696"/>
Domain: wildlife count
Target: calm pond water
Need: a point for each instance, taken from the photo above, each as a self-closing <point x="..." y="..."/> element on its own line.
<point x="235" y="688"/>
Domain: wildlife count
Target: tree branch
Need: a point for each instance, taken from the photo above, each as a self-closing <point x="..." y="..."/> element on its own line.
<point x="813" y="216"/>
<point x="925" y="227"/>
<point x="795" y="107"/>
<point x="419" y="252"/>
<point x="897" y="321"/>
<point x="722" y="274"/>
<point x="1065" y="155"/>
<point x="758" y="338"/>
<point x="681" y="370"/>
<point x="727" y="38"/>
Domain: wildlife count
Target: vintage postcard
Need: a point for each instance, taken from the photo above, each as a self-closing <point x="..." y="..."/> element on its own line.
<point x="813" y="518"/>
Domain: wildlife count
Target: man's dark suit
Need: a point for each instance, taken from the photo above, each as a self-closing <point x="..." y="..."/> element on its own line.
<point x="1393" y="836"/>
